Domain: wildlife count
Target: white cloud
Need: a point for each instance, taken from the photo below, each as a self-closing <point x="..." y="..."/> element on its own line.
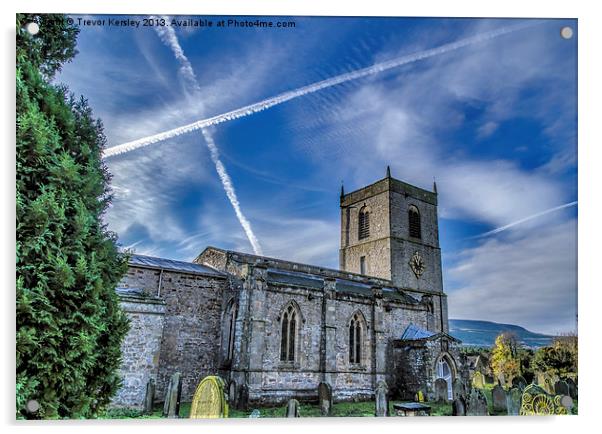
<point x="528" y="279"/>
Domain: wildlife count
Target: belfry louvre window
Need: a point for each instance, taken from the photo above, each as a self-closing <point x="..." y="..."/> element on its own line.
<point x="355" y="340"/>
<point x="289" y="332"/>
<point x="414" y="222"/>
<point x="364" y="224"/>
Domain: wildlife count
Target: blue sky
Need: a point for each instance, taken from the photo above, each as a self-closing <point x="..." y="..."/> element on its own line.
<point x="495" y="122"/>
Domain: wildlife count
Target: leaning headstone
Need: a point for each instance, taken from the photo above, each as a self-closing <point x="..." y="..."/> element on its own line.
<point x="209" y="399"/>
<point x="476" y="404"/>
<point x="149" y="397"/>
<point x="519" y="382"/>
<point x="459" y="406"/>
<point x="292" y="409"/>
<point x="498" y="396"/>
<point x="382" y="399"/>
<point x="255" y="414"/>
<point x="325" y="398"/>
<point x="535" y="401"/>
<point x="459" y="390"/>
<point x="171" y="407"/>
<point x="441" y="390"/>
<point x="561" y="388"/>
<point x="513" y="401"/>
<point x="546" y="382"/>
<point x="572" y="388"/>
<point x="478" y="380"/>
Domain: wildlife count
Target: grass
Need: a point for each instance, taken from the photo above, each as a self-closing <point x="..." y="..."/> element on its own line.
<point x="340" y="409"/>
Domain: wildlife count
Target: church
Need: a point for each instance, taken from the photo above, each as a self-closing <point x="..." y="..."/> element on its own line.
<point x="275" y="329"/>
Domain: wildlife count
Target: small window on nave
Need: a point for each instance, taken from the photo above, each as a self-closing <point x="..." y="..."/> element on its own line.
<point x="355" y="339"/>
<point x="289" y="334"/>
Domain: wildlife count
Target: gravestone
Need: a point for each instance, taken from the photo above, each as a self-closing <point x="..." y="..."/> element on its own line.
<point x="546" y="382"/>
<point x="441" y="390"/>
<point x="255" y="414"/>
<point x="519" y="382"/>
<point x="171" y="407"/>
<point x="419" y="396"/>
<point x="476" y="404"/>
<point x="478" y="380"/>
<point x="459" y="390"/>
<point x="535" y="401"/>
<point x="149" y="397"/>
<point x="513" y="401"/>
<point x="292" y="409"/>
<point x="498" y="396"/>
<point x="459" y="406"/>
<point x="243" y="397"/>
<point x="572" y="388"/>
<point x="325" y="398"/>
<point x="382" y="399"/>
<point x="561" y="388"/>
<point x="232" y="394"/>
<point x="209" y="399"/>
<point x="501" y="379"/>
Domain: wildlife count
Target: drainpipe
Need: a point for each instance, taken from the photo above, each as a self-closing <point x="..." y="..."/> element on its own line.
<point x="160" y="282"/>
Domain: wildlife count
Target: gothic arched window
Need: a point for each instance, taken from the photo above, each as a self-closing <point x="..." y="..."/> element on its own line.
<point x="288" y="337"/>
<point x="230" y="328"/>
<point x="364" y="223"/>
<point x="414" y="222"/>
<point x="444" y="372"/>
<point x="356" y="336"/>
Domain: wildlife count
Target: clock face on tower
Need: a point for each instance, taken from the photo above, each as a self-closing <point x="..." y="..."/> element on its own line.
<point x="417" y="264"/>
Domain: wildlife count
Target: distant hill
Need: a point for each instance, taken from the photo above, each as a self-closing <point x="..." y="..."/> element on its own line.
<point x="483" y="333"/>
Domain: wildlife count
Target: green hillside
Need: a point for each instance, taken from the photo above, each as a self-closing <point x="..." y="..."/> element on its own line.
<point x="483" y="333"/>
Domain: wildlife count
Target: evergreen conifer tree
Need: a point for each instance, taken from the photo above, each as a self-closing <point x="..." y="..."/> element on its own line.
<point x="69" y="323"/>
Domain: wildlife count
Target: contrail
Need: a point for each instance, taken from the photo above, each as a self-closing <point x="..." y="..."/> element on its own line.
<point x="169" y="38"/>
<point x="311" y="88"/>
<point x="531" y="217"/>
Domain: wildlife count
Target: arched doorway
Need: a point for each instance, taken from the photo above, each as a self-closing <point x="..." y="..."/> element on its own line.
<point x="444" y="371"/>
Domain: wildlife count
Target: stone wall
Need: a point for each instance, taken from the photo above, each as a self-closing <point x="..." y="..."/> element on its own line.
<point x="140" y="349"/>
<point x="191" y="328"/>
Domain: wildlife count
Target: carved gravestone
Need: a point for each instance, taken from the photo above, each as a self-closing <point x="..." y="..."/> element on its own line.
<point x="478" y="380"/>
<point x="459" y="390"/>
<point x="513" y="401"/>
<point x="498" y="396"/>
<point x="149" y="397"/>
<point x="476" y="404"/>
<point x="572" y="388"/>
<point x="535" y="401"/>
<point x="171" y="407"/>
<point x="325" y="398"/>
<point x="440" y="390"/>
<point x="519" y="382"/>
<point x="561" y="388"/>
<point x="459" y="406"/>
<point x="209" y="399"/>
<point x="382" y="399"/>
<point x="292" y="409"/>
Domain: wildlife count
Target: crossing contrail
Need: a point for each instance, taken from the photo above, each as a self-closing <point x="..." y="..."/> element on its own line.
<point x="311" y="88"/>
<point x="531" y="217"/>
<point x="169" y="38"/>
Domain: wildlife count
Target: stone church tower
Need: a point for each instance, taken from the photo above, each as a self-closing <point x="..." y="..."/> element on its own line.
<point x="389" y="230"/>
